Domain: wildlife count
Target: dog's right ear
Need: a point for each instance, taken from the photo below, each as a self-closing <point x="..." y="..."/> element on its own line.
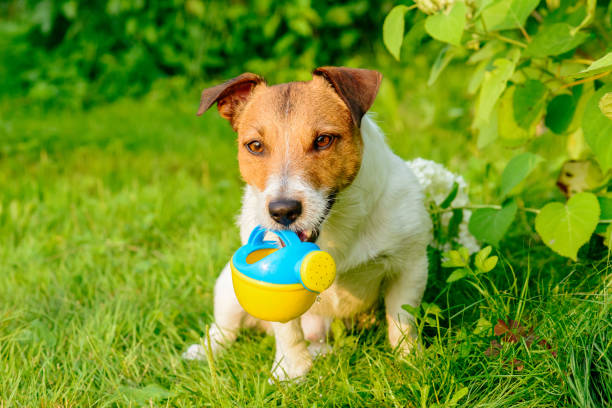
<point x="229" y="95"/>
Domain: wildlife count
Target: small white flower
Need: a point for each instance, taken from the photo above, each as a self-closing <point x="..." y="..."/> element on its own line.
<point x="433" y="6"/>
<point x="437" y="182"/>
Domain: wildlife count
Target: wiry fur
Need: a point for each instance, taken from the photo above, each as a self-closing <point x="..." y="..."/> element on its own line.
<point x="377" y="232"/>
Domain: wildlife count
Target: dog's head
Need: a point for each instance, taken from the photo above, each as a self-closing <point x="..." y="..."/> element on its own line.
<point x="298" y="143"/>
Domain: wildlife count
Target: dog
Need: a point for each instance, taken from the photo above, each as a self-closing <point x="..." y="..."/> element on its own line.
<point x="315" y="163"/>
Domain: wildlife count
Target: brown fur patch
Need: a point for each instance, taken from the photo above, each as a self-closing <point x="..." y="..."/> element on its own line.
<point x="287" y="118"/>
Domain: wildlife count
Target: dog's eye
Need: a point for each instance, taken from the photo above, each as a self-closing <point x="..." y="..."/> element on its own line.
<point x="323" y="142"/>
<point x="255" y="147"/>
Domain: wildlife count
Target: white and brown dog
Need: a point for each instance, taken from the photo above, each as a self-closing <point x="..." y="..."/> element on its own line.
<point x="316" y="164"/>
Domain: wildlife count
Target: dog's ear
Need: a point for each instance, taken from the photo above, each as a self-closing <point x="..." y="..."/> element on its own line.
<point x="229" y="95"/>
<point x="356" y="87"/>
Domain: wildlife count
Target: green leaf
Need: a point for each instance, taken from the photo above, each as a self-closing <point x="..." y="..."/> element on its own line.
<point x="483" y="254"/>
<point x="581" y="94"/>
<point x="300" y="26"/>
<point x="517" y="169"/>
<point x="453" y="224"/>
<point x="490" y="225"/>
<point x="462" y="392"/>
<point x="560" y="112"/>
<point x="605" y="105"/>
<point x="591" y="8"/>
<point x="482" y="325"/>
<point x="413" y="39"/>
<point x="424" y="395"/>
<point x="509" y="132"/>
<point x="448" y="26"/>
<point x="444" y="57"/>
<point x="481" y="5"/>
<point x="605" y="204"/>
<point x="43" y="15"/>
<point x="489" y="264"/>
<point x="456" y="259"/>
<point x="70" y="9"/>
<point x="465" y="254"/>
<point x="477" y="77"/>
<point x="565" y="228"/>
<point x="554" y="39"/>
<point x="488" y="131"/>
<point x="597" y="129"/>
<point x="393" y="30"/>
<point x="608" y="236"/>
<point x="601" y="65"/>
<point x="145" y="395"/>
<point x="414" y="311"/>
<point x="338" y="329"/>
<point x="451" y="196"/>
<point x="507" y="14"/>
<point x="431" y="308"/>
<point x="489" y="50"/>
<point x="528" y="102"/>
<point x="483" y="262"/>
<point x="493" y="86"/>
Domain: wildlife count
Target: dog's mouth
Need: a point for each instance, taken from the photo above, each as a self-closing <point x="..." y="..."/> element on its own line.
<point x="304" y="236"/>
<point x="311" y="235"/>
<point x="308" y="235"/>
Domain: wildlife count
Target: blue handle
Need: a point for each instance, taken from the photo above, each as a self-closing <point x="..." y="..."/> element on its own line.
<point x="281" y="266"/>
<point x="288" y="237"/>
<point x="257" y="235"/>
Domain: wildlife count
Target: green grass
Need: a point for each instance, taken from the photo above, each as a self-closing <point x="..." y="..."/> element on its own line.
<point x="115" y="222"/>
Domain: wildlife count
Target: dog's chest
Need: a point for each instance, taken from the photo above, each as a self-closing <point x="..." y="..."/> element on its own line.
<point x="352" y="292"/>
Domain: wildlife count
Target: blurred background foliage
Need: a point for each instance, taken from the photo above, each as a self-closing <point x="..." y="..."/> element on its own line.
<point x="81" y="53"/>
<point x="58" y="57"/>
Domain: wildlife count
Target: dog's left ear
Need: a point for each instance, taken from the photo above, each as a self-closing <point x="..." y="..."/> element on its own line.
<point x="357" y="87"/>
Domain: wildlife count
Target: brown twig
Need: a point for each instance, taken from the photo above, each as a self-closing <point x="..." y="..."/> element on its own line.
<point x="537" y="16"/>
<point x="582" y="81"/>
<point x="527" y="37"/>
<point x="508" y="40"/>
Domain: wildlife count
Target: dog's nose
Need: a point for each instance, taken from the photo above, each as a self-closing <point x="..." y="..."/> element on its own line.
<point x="285" y="211"/>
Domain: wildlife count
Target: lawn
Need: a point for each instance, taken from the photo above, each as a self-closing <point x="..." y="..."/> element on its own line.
<point x="115" y="222"/>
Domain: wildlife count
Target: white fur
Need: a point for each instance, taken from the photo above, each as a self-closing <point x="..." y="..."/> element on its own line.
<point x="377" y="232"/>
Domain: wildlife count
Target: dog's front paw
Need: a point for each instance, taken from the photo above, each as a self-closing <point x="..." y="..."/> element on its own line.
<point x="319" y="349"/>
<point x="292" y="368"/>
<point x="195" y="352"/>
<point x="406" y="345"/>
<point x="218" y="341"/>
<point x="405" y="341"/>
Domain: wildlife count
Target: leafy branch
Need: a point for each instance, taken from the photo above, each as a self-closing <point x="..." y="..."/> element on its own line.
<point x="527" y="89"/>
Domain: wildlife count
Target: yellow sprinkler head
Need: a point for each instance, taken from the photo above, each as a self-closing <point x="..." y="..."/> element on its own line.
<point x="318" y="271"/>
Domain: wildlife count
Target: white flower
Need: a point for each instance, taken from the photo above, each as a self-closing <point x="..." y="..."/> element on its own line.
<point x="433" y="6"/>
<point x="437" y="182"/>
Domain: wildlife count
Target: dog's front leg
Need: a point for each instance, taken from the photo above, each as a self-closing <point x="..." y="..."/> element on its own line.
<point x="292" y="359"/>
<point x="229" y="316"/>
<point x="406" y="288"/>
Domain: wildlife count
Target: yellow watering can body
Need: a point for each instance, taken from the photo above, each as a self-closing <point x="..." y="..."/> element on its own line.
<point x="280" y="283"/>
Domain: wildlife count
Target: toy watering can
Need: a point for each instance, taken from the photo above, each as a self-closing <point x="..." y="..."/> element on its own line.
<point x="279" y="283"/>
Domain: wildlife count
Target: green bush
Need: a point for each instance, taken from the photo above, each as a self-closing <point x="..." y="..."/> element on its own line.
<point x="82" y="53"/>
<point x="541" y="86"/>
